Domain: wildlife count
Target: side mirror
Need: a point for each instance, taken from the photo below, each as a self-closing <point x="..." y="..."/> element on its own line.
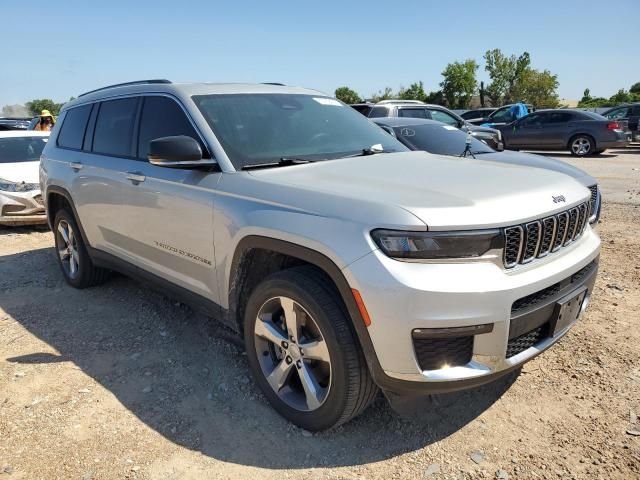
<point x="177" y="152"/>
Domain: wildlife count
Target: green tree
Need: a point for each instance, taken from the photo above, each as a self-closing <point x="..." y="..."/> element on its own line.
<point x="621" y="96"/>
<point x="459" y="83"/>
<point x="504" y="73"/>
<point x="36" y="106"/>
<point x="635" y="88"/>
<point x="586" y="96"/>
<point x="537" y="88"/>
<point x="386" y="94"/>
<point x="347" y="95"/>
<point x="414" y="92"/>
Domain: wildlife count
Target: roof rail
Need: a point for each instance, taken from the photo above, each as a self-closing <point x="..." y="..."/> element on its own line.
<point x="274" y="83"/>
<point x="387" y="102"/>
<point x="126" y="84"/>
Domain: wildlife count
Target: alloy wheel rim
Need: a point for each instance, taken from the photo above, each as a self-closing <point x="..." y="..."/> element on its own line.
<point x="581" y="146"/>
<point x="293" y="354"/>
<point x="67" y="249"/>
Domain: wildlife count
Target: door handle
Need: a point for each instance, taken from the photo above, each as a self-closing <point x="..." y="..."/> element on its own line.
<point x="135" y="177"/>
<point x="76" y="165"/>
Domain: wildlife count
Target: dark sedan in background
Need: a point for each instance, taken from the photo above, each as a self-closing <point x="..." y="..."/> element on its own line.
<point x="582" y="133"/>
<point x="441" y="139"/>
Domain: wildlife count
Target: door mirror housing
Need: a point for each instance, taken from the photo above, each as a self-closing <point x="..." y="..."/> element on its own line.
<point x="178" y="151"/>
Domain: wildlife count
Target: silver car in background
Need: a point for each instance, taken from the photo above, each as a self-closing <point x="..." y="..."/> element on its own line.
<point x="20" y="199"/>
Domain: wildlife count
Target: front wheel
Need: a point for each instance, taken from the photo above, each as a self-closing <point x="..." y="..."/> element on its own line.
<point x="582" y="145"/>
<point x="302" y="352"/>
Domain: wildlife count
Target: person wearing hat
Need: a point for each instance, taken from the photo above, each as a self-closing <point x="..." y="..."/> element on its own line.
<point x="46" y="122"/>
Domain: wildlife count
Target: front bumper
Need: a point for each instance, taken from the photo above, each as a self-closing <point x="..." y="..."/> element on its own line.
<point x="402" y="297"/>
<point x="22" y="208"/>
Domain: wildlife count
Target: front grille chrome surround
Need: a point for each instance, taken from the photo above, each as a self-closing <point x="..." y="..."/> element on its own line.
<point x="537" y="239"/>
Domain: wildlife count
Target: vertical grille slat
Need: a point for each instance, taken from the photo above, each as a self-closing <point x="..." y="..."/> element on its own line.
<point x="524" y="243"/>
<point x="548" y="236"/>
<point x="513" y="246"/>
<point x="532" y="241"/>
<point x="572" y="227"/>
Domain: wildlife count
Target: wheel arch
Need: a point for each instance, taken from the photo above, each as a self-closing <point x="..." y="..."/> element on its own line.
<point x="242" y="282"/>
<point x="57" y="198"/>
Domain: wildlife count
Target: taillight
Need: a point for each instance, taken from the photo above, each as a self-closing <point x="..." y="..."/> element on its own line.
<point x="613" y="126"/>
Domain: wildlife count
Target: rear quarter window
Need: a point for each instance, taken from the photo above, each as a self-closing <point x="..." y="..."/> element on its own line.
<point x="73" y="127"/>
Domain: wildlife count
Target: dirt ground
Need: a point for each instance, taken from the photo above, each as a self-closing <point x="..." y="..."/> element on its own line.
<point x="118" y="382"/>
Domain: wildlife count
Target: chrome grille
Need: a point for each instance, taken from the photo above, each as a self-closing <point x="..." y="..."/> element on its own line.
<point x="512" y="246"/>
<point x="524" y="243"/>
<point x="548" y="236"/>
<point x="532" y="241"/>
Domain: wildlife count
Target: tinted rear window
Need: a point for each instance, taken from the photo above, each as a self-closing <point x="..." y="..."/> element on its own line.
<point x="72" y="131"/>
<point x="162" y="117"/>
<point x="413" y="113"/>
<point x="21" y="149"/>
<point x="377" y="112"/>
<point x="114" y="127"/>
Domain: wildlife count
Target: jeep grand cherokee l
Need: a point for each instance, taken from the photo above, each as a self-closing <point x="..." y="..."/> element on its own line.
<point x="345" y="261"/>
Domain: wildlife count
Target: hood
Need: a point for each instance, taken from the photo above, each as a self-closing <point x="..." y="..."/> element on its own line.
<point x="539" y="161"/>
<point x="27" y="172"/>
<point x="443" y="192"/>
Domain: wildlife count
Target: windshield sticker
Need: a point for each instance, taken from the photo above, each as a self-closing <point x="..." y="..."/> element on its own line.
<point x="449" y="127"/>
<point x="408" y="132"/>
<point x="327" y="101"/>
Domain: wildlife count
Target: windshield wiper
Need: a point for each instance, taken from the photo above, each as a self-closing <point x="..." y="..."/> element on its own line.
<point x="283" y="162"/>
<point x="372" y="150"/>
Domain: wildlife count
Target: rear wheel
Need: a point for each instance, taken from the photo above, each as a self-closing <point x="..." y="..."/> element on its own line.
<point x="302" y="352"/>
<point x="77" y="268"/>
<point x="582" y="145"/>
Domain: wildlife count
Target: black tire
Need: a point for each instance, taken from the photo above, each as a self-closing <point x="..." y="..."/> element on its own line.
<point x="587" y="140"/>
<point x="351" y="386"/>
<point x="86" y="273"/>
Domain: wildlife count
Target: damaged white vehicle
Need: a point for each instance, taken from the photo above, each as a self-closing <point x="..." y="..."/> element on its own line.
<point x="20" y="198"/>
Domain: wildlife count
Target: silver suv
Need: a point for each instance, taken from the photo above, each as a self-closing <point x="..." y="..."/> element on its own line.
<point x="345" y="261"/>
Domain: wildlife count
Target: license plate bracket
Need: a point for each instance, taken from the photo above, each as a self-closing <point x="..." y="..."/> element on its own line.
<point x="568" y="310"/>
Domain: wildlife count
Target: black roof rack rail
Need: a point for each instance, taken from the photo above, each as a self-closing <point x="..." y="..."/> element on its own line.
<point x="126" y="84"/>
<point x="274" y="83"/>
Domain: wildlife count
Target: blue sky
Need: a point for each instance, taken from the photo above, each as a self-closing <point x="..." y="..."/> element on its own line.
<point x="62" y="48"/>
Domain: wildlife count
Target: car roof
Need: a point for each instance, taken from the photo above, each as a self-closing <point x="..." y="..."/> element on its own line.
<point x="403" y="122"/>
<point x="22" y="133"/>
<point x="186" y="89"/>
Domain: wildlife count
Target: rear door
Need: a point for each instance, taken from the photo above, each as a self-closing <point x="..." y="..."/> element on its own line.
<point x="169" y="218"/>
<point x="92" y="139"/>
<point x="556" y="129"/>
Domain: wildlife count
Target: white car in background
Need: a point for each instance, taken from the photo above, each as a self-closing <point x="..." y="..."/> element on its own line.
<point x="20" y="198"/>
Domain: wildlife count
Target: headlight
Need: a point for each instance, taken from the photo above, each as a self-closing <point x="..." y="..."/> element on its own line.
<point x="9" y="186"/>
<point x="438" y="245"/>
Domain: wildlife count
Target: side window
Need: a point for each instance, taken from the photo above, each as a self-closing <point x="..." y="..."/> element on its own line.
<point x="72" y="131"/>
<point x="114" y="127"/>
<point x="162" y="117"/>
<point x="412" y="113"/>
<point x="441" y="116"/>
<point x="377" y="112"/>
<point x="502" y="116"/>
<point x="618" y="113"/>
<point x="559" y="117"/>
<point x="532" y="120"/>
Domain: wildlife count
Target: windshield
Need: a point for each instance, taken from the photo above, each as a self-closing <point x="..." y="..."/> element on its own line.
<point x="439" y="139"/>
<point x="260" y="128"/>
<point x="21" y="149"/>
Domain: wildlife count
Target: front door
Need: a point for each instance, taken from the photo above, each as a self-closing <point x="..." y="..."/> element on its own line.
<point x="170" y="211"/>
